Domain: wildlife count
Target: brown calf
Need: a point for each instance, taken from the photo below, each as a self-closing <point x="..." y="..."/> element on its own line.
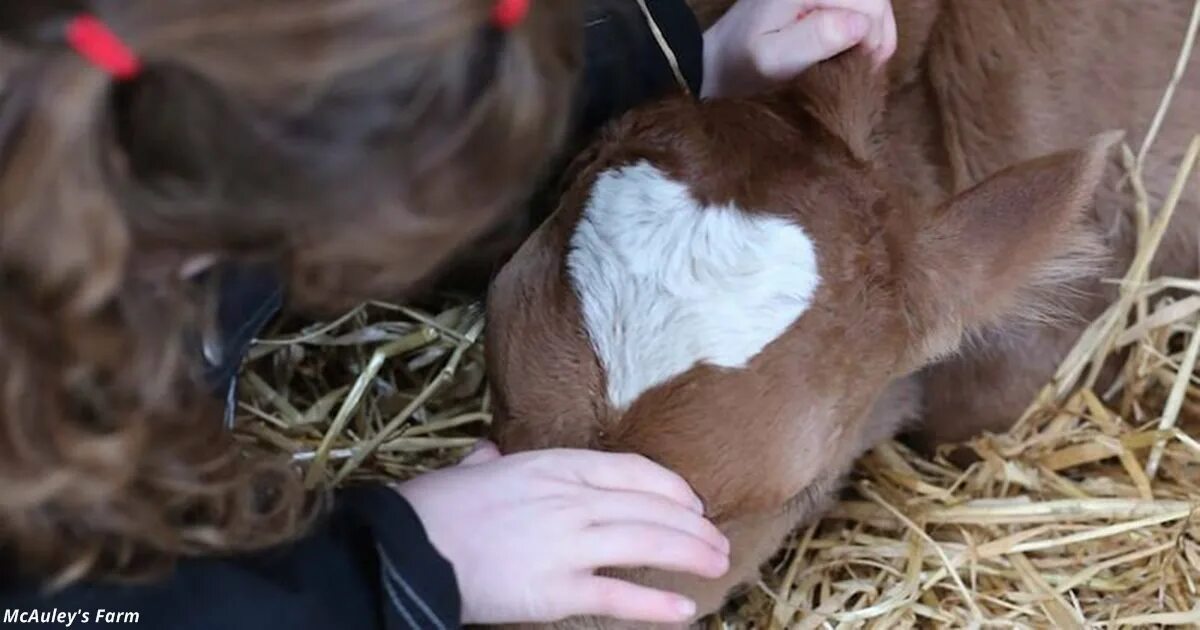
<point x="753" y="292"/>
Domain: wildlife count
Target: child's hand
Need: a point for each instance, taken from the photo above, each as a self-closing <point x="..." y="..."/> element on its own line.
<point x="526" y="532"/>
<point x="761" y="42"/>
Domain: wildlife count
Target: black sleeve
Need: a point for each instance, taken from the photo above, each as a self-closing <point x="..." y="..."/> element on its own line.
<point x="369" y="565"/>
<point x="624" y="64"/>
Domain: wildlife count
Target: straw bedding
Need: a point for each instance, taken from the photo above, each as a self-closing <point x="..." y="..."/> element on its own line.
<point x="1085" y="514"/>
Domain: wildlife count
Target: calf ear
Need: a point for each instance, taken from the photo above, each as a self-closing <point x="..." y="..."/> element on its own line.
<point x="847" y="96"/>
<point x="977" y="259"/>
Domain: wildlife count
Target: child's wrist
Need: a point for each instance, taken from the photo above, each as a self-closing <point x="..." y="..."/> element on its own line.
<point x="710" y="81"/>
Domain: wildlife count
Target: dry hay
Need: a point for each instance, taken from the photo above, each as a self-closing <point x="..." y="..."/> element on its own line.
<point x="1086" y="514"/>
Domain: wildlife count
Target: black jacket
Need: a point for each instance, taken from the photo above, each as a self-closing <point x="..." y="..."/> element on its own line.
<point x="369" y="563"/>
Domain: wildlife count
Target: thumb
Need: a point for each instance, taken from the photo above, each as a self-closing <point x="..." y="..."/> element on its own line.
<point x="813" y="38"/>
<point x="483" y="453"/>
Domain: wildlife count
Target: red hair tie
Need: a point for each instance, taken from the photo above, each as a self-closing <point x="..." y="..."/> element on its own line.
<point x="507" y="14"/>
<point x="96" y="43"/>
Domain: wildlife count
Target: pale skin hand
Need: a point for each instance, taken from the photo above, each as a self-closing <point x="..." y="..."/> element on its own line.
<point x="759" y="43"/>
<point x="527" y="532"/>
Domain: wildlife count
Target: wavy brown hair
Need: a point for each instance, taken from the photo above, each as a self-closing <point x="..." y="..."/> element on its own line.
<point x="354" y="144"/>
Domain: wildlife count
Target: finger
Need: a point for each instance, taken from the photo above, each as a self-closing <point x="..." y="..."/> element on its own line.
<point x="613" y="506"/>
<point x="609" y="597"/>
<point x="891" y="38"/>
<point x="622" y="471"/>
<point x="817" y="37"/>
<point x="483" y="452"/>
<point x="638" y="545"/>
<point x="875" y="10"/>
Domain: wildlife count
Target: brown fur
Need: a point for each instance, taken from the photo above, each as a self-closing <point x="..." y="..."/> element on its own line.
<point x="938" y="207"/>
<point x="350" y="144"/>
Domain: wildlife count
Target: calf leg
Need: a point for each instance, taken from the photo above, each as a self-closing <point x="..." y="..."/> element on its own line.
<point x="989" y="386"/>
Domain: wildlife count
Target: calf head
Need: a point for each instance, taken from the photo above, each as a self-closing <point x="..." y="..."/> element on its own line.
<point x="729" y="287"/>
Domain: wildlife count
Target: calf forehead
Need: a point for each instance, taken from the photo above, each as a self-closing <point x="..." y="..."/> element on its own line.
<point x="666" y="283"/>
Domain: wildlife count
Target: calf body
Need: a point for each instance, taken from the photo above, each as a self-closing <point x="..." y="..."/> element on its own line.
<point x="1049" y="74"/>
<point x="753" y="292"/>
